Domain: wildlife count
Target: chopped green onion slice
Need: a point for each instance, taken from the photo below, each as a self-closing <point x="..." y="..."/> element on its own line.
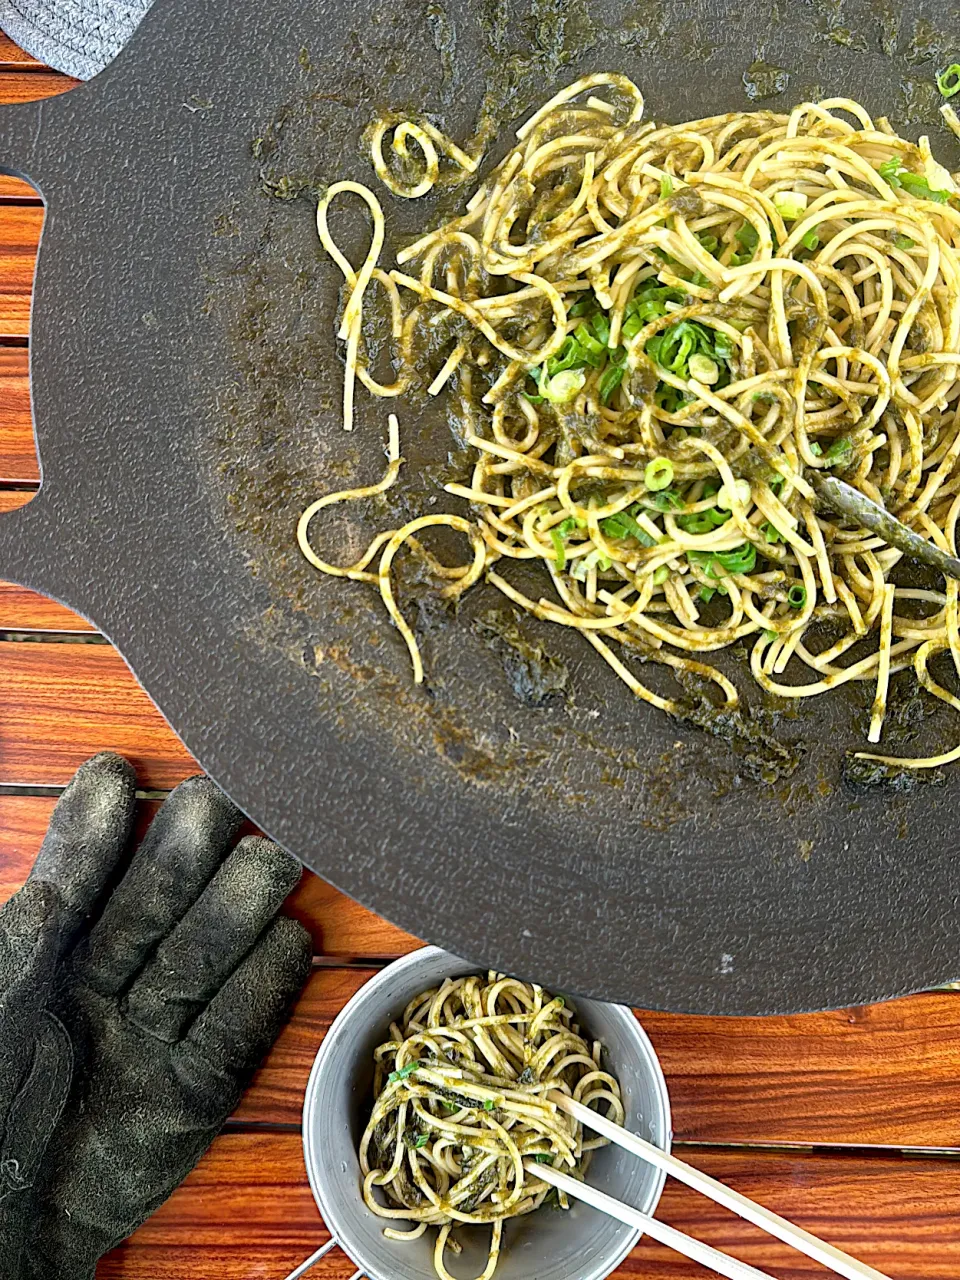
<point x="918" y="186"/>
<point x="816" y="449"/>
<point x="838" y="450"/>
<point x="421" y="1141"/>
<point x="666" y="500"/>
<point x="403" y="1073"/>
<point x="563" y="387"/>
<point x="748" y="236"/>
<point x="594" y="351"/>
<point x="592" y="560"/>
<point x="742" y="559"/>
<point x="703" y="521"/>
<point x="488" y="1104"/>
<point x="666" y="186"/>
<point x="703" y="369"/>
<point x="601" y="327"/>
<point x="741" y="495"/>
<point x="707" y="594"/>
<point x="722" y="345"/>
<point x="797" y="596"/>
<point x="658" y="474"/>
<point x="559" y="550"/>
<point x="660" y="575"/>
<point x="790" y="204"/>
<point x="769" y="635"/>
<point x="623" y="525"/>
<point x="771" y="532"/>
<point x="584" y="305"/>
<point x="948" y="82"/>
<point x="914" y="184"/>
<point x="810" y="241"/>
<point x="542" y="1157"/>
<point x="612" y="376"/>
<point x="904" y="242"/>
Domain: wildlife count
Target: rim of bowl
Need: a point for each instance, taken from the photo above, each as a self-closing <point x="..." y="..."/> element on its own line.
<point x="328" y="1046"/>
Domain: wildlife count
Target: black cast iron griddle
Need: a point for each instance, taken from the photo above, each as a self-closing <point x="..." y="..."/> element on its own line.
<point x="185" y="390"/>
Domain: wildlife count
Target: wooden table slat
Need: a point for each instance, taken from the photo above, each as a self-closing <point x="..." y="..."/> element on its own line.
<point x="20" y="227"/>
<point x="247" y="1211"/>
<point x="11" y="55"/>
<point x="61" y="703"/>
<point x="27" y="85"/>
<point x="18" y="451"/>
<point x="16" y="191"/>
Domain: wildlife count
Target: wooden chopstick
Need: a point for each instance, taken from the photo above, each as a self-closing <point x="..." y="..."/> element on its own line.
<point x="691" y="1248"/>
<point x="826" y="1254"/>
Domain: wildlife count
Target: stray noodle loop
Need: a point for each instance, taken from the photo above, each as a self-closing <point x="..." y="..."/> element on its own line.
<point x="735" y="302"/>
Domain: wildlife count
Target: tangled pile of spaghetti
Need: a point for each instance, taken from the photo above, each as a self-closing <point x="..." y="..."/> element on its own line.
<point x="463" y="1110"/>
<point x="657" y="336"/>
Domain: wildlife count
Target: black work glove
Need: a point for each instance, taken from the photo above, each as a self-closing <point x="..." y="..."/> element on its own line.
<point x="35" y="1057"/>
<point x="171" y="998"/>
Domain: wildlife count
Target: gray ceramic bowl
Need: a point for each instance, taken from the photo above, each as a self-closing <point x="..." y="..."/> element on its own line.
<point x="581" y="1244"/>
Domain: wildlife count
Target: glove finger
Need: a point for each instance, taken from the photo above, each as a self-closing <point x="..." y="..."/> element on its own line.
<point x="36" y="1110"/>
<point x="234" y="1032"/>
<point x="29" y="942"/>
<point x="88" y="834"/>
<point x="195" y="960"/>
<point x="186" y="842"/>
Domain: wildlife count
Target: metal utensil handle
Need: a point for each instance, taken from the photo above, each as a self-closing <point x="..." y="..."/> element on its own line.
<point x="314" y="1258"/>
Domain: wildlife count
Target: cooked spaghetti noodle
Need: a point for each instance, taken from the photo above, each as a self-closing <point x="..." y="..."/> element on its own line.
<point x="658" y="336"/>
<point x="463" y="1106"/>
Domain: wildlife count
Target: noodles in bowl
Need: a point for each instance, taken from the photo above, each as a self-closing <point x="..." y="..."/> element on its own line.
<point x="462" y="1100"/>
<point x="658" y="339"/>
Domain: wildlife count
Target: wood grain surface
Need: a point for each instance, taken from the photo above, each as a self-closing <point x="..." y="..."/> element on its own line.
<point x="24" y="84"/>
<point x="247" y="1212"/>
<point x="12" y="57"/>
<point x="20" y="226"/>
<point x="18" y="453"/>
<point x="851" y="1086"/>
<point x="61" y="703"/>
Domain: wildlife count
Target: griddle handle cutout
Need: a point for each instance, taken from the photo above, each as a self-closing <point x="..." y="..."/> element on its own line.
<point x="22" y="130"/>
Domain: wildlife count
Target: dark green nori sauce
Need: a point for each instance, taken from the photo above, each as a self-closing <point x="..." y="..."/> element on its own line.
<point x="536" y="677"/>
<point x="867" y="774"/>
<point x="764" y="80"/>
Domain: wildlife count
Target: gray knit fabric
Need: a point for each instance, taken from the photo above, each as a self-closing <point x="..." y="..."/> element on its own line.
<point x="76" y="36"/>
